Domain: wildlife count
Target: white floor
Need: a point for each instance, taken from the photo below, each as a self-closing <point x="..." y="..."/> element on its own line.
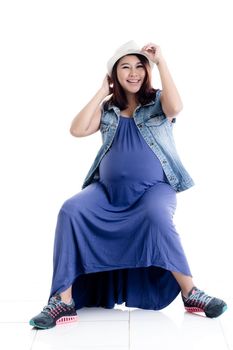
<point x="121" y="328"/>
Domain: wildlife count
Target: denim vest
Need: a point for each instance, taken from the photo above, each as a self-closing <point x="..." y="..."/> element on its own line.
<point x="156" y="130"/>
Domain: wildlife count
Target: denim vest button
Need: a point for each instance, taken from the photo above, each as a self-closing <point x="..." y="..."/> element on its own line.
<point x="171" y="178"/>
<point x="151" y="144"/>
<point x="140" y="125"/>
<point x="164" y="161"/>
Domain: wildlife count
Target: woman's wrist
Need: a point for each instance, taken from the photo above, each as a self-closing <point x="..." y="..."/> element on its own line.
<point x="160" y="61"/>
<point x="102" y="93"/>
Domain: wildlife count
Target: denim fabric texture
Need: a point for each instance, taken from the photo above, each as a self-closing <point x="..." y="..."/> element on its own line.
<point x="156" y="130"/>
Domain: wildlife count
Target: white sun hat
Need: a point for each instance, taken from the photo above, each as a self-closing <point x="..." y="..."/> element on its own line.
<point x="128" y="48"/>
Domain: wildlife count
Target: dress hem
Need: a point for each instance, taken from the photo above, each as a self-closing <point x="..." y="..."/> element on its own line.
<point x="128" y="304"/>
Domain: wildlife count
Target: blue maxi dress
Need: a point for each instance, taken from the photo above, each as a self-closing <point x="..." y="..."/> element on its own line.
<point x="115" y="240"/>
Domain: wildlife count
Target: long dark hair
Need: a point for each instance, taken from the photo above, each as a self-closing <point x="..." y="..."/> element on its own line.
<point x="144" y="95"/>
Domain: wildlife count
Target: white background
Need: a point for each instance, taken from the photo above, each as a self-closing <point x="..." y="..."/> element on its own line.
<point x="53" y="60"/>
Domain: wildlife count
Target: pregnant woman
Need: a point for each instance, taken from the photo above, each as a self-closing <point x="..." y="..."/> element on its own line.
<point x="115" y="240"/>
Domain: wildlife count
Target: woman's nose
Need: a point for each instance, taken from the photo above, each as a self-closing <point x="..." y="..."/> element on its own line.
<point x="133" y="72"/>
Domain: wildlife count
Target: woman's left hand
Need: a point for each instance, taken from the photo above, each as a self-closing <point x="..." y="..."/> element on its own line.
<point x="153" y="51"/>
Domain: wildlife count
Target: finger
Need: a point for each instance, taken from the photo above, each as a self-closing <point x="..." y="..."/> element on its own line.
<point x="145" y="47"/>
<point x="152" y="46"/>
<point x="150" y="49"/>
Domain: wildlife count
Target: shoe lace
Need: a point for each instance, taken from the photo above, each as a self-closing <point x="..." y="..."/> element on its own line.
<point x="200" y="297"/>
<point x="53" y="301"/>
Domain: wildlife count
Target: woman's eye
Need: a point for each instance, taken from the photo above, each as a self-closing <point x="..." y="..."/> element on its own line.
<point x="125" y="67"/>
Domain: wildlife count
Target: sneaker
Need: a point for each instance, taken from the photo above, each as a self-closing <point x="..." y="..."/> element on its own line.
<point x="56" y="312"/>
<point x="198" y="301"/>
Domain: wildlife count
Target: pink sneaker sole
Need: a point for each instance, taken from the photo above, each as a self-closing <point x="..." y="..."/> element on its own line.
<point x="193" y="309"/>
<point x="67" y="319"/>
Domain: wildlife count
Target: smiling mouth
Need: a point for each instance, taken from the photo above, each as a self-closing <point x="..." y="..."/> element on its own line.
<point x="133" y="81"/>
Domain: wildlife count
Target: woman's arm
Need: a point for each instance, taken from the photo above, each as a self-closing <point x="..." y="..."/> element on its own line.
<point x="87" y="121"/>
<point x="170" y="98"/>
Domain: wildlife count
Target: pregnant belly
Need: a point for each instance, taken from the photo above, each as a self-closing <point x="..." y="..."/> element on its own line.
<point x="130" y="167"/>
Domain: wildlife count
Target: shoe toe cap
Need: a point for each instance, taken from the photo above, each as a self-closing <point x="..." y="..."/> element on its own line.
<point x="215" y="308"/>
<point x="42" y="321"/>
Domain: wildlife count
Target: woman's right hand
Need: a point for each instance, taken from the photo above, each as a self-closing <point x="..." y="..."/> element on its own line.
<point x="107" y="85"/>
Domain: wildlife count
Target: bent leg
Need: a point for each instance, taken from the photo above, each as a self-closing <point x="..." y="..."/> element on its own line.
<point x="159" y="205"/>
<point x="185" y="282"/>
<point x="66" y="296"/>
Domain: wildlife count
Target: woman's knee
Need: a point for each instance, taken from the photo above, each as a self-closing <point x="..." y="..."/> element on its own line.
<point x="72" y="204"/>
<point x="160" y="204"/>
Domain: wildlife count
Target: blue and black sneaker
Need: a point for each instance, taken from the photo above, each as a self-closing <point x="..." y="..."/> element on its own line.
<point x="56" y="312"/>
<point x="198" y="301"/>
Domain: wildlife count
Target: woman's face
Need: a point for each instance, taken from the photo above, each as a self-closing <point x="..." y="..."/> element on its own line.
<point x="130" y="73"/>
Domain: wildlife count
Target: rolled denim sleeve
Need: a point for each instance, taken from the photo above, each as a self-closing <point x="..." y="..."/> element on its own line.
<point x="158" y="105"/>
